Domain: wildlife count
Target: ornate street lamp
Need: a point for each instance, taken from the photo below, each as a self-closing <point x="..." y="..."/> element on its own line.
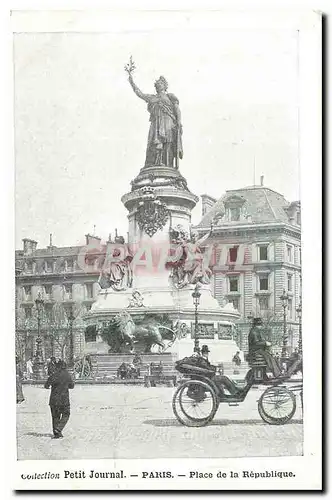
<point x="196" y="295"/>
<point x="38" y="364"/>
<point x="299" y="314"/>
<point x="71" y="319"/>
<point x="284" y="302"/>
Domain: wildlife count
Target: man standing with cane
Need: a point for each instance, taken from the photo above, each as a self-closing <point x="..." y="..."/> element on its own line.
<point x="60" y="381"/>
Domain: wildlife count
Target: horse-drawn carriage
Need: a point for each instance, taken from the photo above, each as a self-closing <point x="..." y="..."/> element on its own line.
<point x="197" y="399"/>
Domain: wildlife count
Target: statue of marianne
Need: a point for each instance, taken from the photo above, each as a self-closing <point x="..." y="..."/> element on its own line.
<point x="165" y="135"/>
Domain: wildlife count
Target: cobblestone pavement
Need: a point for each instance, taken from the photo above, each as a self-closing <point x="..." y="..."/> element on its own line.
<point x="136" y="422"/>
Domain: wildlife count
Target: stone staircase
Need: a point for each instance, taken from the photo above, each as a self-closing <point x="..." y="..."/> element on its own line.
<point x="105" y="366"/>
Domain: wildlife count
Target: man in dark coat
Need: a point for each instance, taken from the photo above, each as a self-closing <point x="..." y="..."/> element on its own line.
<point x="60" y="381"/>
<point x="259" y="347"/>
<point x="222" y="380"/>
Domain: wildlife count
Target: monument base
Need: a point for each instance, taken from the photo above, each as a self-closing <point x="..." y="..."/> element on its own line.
<point x="215" y="322"/>
<point x="221" y="350"/>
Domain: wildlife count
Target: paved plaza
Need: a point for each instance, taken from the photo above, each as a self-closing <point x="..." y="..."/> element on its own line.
<point x="109" y="421"/>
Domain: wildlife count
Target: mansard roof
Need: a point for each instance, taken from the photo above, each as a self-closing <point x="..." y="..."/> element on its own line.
<point x="261" y="203"/>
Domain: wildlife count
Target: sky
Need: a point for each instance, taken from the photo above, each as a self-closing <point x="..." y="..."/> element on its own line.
<point x="81" y="132"/>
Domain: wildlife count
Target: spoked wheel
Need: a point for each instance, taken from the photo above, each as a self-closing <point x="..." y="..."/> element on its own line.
<point x="82" y="369"/>
<point x="277" y="405"/>
<point x="195" y="403"/>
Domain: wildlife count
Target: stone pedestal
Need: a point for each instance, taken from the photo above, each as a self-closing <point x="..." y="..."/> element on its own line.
<point x="158" y="203"/>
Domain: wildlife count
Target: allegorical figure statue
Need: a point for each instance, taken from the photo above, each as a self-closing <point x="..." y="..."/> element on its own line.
<point x="188" y="264"/>
<point x="165" y="135"/>
<point x="119" y="274"/>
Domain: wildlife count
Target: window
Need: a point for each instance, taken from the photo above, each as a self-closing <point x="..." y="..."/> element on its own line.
<point x="289" y="253"/>
<point x="49" y="266"/>
<point x="290" y="308"/>
<point x="232" y="255"/>
<point x="69" y="265"/>
<point x="68" y="291"/>
<point x="233" y="284"/>
<point x="48" y="291"/>
<point x="263" y="283"/>
<point x="234" y="213"/>
<point x="27" y="292"/>
<point x="235" y="302"/>
<point x="263" y="252"/>
<point x="263" y="303"/>
<point x="29" y="266"/>
<point x="88" y="307"/>
<point x="290" y="282"/>
<point x="48" y="312"/>
<point x="89" y="290"/>
<point x="28" y="312"/>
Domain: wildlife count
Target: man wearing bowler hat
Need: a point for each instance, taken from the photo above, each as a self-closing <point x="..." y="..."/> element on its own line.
<point x="60" y="381"/>
<point x="258" y="346"/>
<point x="205" y="352"/>
<point x="226" y="382"/>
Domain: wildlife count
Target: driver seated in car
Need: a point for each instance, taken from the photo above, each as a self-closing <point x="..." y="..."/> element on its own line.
<point x="226" y="382"/>
<point x="259" y="347"/>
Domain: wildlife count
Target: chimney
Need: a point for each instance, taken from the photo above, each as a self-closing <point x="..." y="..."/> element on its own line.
<point x="262" y="180"/>
<point x="292" y="210"/>
<point x="29" y="246"/>
<point x="50" y="246"/>
<point x="207" y="203"/>
<point x="92" y="240"/>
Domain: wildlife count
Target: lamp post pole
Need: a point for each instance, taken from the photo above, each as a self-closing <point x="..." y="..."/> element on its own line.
<point x="299" y="314"/>
<point x="38" y="364"/>
<point x="196" y="298"/>
<point x="71" y="336"/>
<point x="284" y="303"/>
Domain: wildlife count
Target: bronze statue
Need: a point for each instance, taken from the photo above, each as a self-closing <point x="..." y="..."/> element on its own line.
<point x="165" y="135"/>
<point x="122" y="334"/>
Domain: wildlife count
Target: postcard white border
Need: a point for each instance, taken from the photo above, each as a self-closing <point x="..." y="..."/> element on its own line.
<point x="307" y="469"/>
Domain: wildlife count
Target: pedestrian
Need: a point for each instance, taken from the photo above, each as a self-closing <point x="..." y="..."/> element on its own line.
<point x="60" y="381"/>
<point x="29" y="369"/>
<point x="51" y="366"/>
<point x="236" y="362"/>
<point x="19" y="376"/>
<point x="236" y="359"/>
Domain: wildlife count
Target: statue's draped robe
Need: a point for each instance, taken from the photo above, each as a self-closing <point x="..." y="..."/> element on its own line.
<point x="164" y="140"/>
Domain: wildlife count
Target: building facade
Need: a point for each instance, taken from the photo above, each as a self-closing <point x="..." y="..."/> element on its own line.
<point x="66" y="280"/>
<point x="256" y="241"/>
<point x="254" y="250"/>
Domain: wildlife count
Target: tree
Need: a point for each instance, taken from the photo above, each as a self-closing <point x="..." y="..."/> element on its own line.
<point x="273" y="323"/>
<point x="58" y="327"/>
<point x="55" y="329"/>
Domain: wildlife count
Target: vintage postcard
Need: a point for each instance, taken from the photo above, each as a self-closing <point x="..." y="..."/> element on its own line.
<point x="167" y="208"/>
